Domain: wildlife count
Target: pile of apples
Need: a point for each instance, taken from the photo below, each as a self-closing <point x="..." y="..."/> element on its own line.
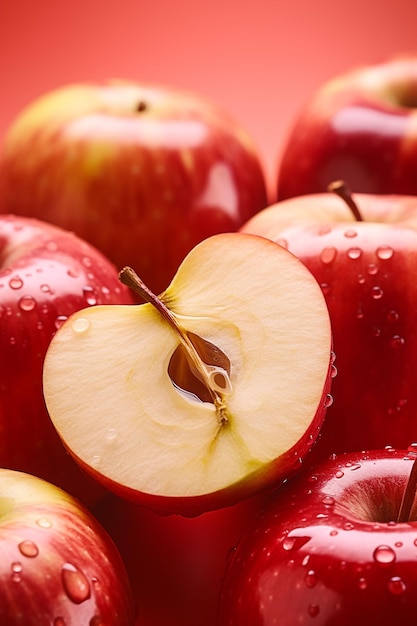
<point x="208" y="413"/>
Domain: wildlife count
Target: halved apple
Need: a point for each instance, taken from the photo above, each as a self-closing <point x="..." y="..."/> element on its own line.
<point x="204" y="395"/>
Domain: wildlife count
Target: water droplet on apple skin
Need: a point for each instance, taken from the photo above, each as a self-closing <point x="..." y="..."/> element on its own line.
<point x="28" y="548"/>
<point x="384" y="555"/>
<point x="75" y="584"/>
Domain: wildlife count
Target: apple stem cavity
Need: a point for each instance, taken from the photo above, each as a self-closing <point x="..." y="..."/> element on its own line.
<point x="409" y="495"/>
<point x="340" y="188"/>
<point x="215" y="378"/>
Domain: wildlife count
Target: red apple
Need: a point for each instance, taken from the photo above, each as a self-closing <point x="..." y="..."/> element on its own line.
<point x="46" y="274"/>
<point x="367" y="271"/>
<point x="329" y="549"/>
<point x="58" y="565"/>
<point x="359" y="126"/>
<point x="176" y="564"/>
<point x="143" y="172"/>
<point x="205" y="396"/>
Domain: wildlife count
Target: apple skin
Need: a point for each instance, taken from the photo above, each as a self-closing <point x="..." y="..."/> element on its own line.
<point x="175" y="564"/>
<point x="46" y="274"/>
<point x="59" y="566"/>
<point x="367" y="274"/>
<point x="360" y="127"/>
<point x="143" y="172"/>
<point x="326" y="550"/>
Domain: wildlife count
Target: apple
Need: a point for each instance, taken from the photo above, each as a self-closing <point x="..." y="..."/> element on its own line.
<point x="203" y="396"/>
<point x="359" y="127"/>
<point x="366" y="268"/>
<point x="59" y="567"/>
<point x="336" y="545"/>
<point x="46" y="274"/>
<point x="175" y="564"/>
<point x="143" y="172"/>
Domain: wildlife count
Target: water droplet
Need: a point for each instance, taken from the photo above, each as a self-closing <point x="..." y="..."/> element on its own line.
<point x="283" y="243"/>
<point x="46" y="289"/>
<point x="89" y="295"/>
<point x="44" y="522"/>
<point x="75" y="584"/>
<point x="397" y="342"/>
<point x="328" y="255"/>
<point x="111" y="434"/>
<point x="350" y="233"/>
<point x="87" y="262"/>
<point x="348" y="526"/>
<point x="339" y="474"/>
<point x="377" y="292"/>
<point x="333" y="371"/>
<point x="361" y="279"/>
<point x="16" y="282"/>
<point x="80" y="325"/>
<point x="326" y="289"/>
<point x="60" y="320"/>
<point x="73" y="272"/>
<point x="311" y="578"/>
<point x="333" y="533"/>
<point x="372" y="269"/>
<point x="384" y="555"/>
<point x="328" y="501"/>
<point x="59" y="621"/>
<point x="16" y="568"/>
<point x="27" y="303"/>
<point x="95" y="460"/>
<point x="362" y="583"/>
<point x="354" y="253"/>
<point x="328" y="401"/>
<point x="393" y="316"/>
<point x="313" y="610"/>
<point x="384" y="253"/>
<point x="28" y="548"/>
<point x="397" y="586"/>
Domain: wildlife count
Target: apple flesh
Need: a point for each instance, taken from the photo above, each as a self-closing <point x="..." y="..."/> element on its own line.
<point x="358" y="126"/>
<point x="46" y="274"/>
<point x="329" y="549"/>
<point x="58" y="565"/>
<point x="143" y="172"/>
<point x="200" y="398"/>
<point x="366" y="270"/>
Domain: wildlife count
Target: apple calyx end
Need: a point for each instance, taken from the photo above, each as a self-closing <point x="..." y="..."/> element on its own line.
<point x="340" y="188"/>
<point x="215" y="378"/>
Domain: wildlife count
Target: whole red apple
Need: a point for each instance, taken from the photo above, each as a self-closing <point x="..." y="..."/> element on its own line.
<point x="58" y="565"/>
<point x="367" y="271"/>
<point x="359" y="126"/>
<point x="46" y="274"/>
<point x="143" y="172"/>
<point x="329" y="549"/>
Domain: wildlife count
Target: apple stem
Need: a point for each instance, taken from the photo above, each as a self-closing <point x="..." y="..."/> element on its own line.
<point x="215" y="378"/>
<point x="340" y="188"/>
<point x="409" y="495"/>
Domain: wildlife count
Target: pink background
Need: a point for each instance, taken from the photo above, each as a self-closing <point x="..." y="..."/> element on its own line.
<point x="259" y="59"/>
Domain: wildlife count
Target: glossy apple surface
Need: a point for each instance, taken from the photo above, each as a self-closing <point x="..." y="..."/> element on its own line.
<point x="328" y="549"/>
<point x="206" y="395"/>
<point x="176" y="564"/>
<point x="359" y="126"/>
<point x="46" y="274"/>
<point x="143" y="172"/>
<point x="58" y="565"/>
<point x="366" y="270"/>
